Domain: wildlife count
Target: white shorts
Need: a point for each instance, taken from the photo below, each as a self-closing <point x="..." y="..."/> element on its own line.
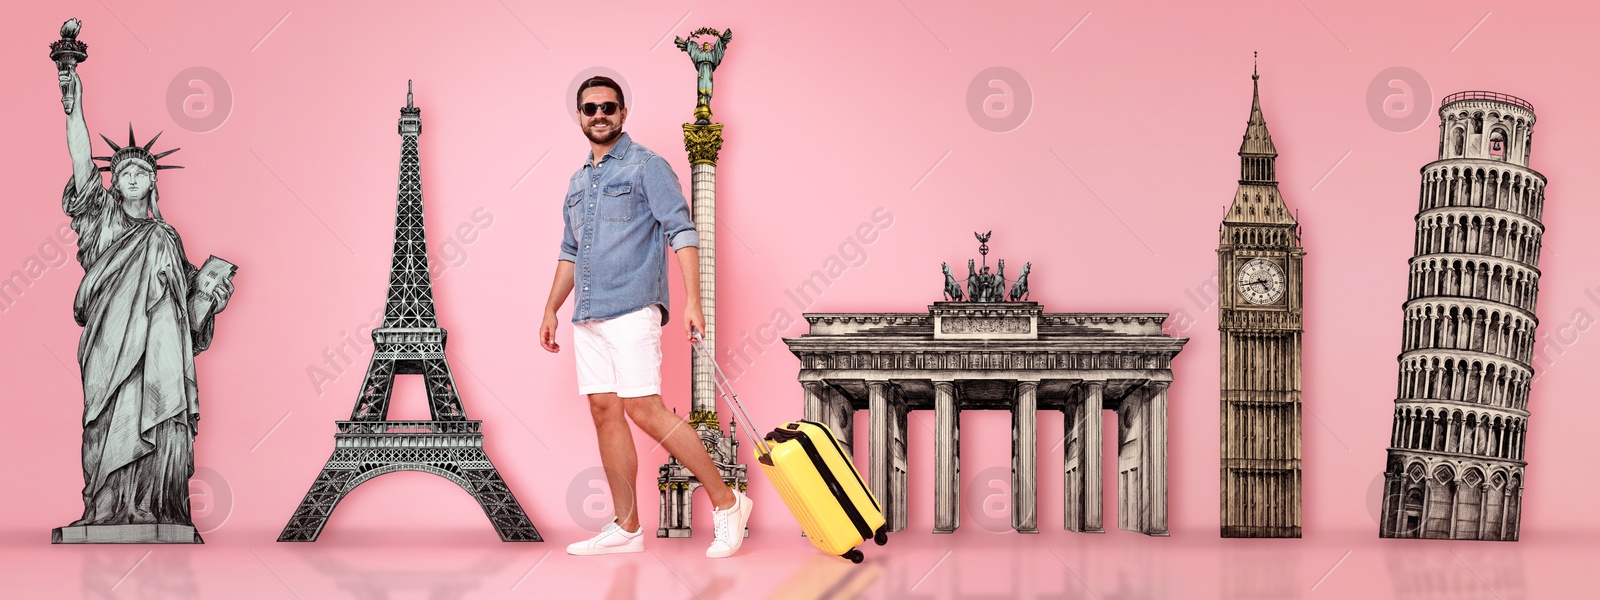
<point x="621" y="354"/>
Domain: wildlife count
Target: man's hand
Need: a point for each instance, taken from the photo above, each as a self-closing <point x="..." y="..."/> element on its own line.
<point x="547" y="333"/>
<point x="560" y="287"/>
<point x="689" y="263"/>
<point x="693" y="320"/>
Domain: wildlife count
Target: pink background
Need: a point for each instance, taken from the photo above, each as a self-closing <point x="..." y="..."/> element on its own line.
<point x="832" y="110"/>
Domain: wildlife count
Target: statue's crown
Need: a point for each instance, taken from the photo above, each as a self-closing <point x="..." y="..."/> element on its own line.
<point x="134" y="152"/>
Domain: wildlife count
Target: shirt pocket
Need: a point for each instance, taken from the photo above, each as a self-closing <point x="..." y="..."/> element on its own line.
<point x="617" y="202"/>
<point x="574" y="208"/>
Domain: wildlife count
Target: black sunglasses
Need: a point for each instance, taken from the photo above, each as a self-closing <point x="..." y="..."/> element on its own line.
<point x="609" y="108"/>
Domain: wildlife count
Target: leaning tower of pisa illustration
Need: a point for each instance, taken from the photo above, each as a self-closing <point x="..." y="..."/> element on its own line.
<point x="1455" y="464"/>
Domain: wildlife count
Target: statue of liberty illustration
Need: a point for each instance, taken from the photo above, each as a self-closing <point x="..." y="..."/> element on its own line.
<point x="145" y="312"/>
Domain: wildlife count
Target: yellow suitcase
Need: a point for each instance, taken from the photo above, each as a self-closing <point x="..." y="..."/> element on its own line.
<point x="822" y="489"/>
<point x="815" y="478"/>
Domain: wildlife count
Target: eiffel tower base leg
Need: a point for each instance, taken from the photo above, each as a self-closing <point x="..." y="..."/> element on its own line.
<point x="466" y="467"/>
<point x="325" y="493"/>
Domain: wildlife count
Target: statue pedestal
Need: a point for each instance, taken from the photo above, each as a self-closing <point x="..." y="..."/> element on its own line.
<point x="147" y="533"/>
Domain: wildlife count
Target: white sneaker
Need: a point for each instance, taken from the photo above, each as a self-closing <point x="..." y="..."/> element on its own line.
<point x="728" y="527"/>
<point x="611" y="540"/>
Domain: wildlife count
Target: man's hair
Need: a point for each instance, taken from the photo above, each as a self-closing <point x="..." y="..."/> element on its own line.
<point x="600" y="81"/>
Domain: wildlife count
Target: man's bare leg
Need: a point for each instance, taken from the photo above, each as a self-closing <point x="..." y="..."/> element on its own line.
<point x="679" y="439"/>
<point x="617" y="456"/>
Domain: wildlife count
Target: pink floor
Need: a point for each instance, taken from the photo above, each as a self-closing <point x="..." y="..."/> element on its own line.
<point x="970" y="564"/>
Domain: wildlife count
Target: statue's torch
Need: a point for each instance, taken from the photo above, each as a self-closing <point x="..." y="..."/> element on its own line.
<point x="67" y="52"/>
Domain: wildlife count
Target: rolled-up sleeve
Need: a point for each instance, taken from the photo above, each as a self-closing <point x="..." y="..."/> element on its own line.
<point x="668" y="205"/>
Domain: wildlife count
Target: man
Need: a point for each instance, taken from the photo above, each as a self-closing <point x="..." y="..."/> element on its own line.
<point x="621" y="208"/>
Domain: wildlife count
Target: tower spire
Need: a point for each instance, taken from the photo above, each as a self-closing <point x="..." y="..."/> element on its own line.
<point x="1256" y="138"/>
<point x="1257" y="200"/>
<point x="410" y="287"/>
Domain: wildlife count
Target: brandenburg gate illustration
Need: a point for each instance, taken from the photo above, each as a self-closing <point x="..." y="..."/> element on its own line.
<point x="987" y="348"/>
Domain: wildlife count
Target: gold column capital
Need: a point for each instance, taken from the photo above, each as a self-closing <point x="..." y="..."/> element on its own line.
<point x="703" y="142"/>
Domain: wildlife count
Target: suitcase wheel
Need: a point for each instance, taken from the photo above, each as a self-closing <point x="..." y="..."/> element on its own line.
<point x="854" y="555"/>
<point x="882" y="537"/>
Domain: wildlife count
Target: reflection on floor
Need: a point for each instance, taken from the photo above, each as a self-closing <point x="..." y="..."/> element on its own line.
<point x="967" y="564"/>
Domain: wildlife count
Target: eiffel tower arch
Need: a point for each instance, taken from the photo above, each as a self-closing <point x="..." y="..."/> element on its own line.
<point x="409" y="343"/>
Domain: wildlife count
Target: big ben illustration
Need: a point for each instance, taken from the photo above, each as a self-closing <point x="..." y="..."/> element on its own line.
<point x="1259" y="315"/>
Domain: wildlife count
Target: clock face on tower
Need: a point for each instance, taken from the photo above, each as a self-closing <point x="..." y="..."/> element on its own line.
<point x="1261" y="281"/>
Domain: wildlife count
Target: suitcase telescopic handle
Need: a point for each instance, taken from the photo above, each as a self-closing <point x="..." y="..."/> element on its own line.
<point x="726" y="387"/>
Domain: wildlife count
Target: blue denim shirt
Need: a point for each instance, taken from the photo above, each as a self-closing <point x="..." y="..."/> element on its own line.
<point x="618" y="214"/>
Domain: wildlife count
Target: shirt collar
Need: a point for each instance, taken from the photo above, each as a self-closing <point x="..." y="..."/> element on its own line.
<point x="619" y="150"/>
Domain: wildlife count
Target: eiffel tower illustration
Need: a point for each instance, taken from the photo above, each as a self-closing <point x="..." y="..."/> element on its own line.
<point x="409" y="343"/>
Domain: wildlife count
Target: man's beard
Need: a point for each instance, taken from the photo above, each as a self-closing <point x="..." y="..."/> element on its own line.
<point x="606" y="138"/>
